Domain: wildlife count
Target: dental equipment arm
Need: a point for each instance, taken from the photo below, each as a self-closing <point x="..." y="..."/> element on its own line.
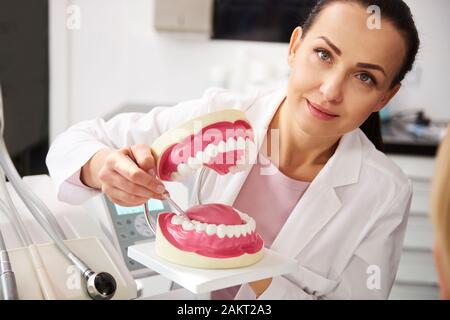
<point x="99" y="285"/>
<point x="35" y="257"/>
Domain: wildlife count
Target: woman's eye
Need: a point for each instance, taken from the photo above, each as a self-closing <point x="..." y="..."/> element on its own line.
<point x="323" y="54"/>
<point x="367" y="79"/>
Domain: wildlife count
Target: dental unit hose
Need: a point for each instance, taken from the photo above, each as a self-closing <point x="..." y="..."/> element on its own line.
<point x="100" y="286"/>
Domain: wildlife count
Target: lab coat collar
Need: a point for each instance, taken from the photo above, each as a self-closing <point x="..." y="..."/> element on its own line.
<point x="320" y="202"/>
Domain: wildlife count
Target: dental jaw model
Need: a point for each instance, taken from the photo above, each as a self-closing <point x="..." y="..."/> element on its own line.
<point x="222" y="141"/>
<point x="212" y="236"/>
<point x="209" y="236"/>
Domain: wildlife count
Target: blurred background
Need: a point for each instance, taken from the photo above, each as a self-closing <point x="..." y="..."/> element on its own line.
<point x="64" y="61"/>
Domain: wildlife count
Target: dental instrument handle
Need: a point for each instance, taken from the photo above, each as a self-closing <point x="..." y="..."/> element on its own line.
<point x="7" y="278"/>
<point x="9" y="287"/>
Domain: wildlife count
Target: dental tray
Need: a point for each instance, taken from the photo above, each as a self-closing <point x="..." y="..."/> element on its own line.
<point x="206" y="280"/>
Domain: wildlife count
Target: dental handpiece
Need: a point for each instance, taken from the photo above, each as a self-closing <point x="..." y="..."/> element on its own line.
<point x="7" y="278"/>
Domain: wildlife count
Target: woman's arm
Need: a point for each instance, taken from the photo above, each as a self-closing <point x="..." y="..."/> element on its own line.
<point x="76" y="147"/>
<point x="76" y="156"/>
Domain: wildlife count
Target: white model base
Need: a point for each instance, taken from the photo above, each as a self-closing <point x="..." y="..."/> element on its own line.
<point x="201" y="281"/>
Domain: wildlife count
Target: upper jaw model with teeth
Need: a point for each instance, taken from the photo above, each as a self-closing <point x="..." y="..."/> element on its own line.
<point x="211" y="236"/>
<point x="222" y="141"/>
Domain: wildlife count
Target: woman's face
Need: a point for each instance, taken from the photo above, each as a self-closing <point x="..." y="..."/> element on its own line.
<point x="341" y="71"/>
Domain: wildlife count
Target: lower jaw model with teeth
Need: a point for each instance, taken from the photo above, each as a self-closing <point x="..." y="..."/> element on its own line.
<point x="211" y="236"/>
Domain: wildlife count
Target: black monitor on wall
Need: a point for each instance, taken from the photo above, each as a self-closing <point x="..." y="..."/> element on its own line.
<point x="259" y="20"/>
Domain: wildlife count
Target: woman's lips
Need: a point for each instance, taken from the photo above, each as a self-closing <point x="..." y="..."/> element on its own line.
<point x="314" y="109"/>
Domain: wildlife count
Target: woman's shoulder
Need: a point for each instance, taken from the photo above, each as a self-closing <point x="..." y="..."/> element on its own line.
<point x="379" y="166"/>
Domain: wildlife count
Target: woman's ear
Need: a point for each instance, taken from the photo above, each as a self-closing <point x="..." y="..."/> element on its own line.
<point x="294" y="43"/>
<point x="389" y="95"/>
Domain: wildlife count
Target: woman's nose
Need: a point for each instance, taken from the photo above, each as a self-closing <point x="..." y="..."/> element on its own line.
<point x="331" y="88"/>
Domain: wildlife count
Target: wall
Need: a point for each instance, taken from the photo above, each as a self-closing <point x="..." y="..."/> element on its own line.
<point x="117" y="58"/>
<point x="428" y="87"/>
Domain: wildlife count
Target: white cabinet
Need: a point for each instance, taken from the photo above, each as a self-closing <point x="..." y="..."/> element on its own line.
<point x="416" y="277"/>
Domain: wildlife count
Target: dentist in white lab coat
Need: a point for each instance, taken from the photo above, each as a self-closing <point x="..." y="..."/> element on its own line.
<point x="347" y="230"/>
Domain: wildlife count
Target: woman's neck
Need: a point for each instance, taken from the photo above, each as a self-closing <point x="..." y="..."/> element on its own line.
<point x="295" y="147"/>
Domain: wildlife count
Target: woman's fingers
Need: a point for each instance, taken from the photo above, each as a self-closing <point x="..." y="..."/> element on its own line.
<point x="127" y="168"/>
<point x="123" y="184"/>
<point x="143" y="157"/>
<point x="124" y="198"/>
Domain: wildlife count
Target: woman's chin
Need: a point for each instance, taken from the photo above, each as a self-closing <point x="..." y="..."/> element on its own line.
<point x="314" y="129"/>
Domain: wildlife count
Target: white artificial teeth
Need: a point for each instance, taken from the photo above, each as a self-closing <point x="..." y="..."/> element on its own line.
<point x="231" y="144"/>
<point x="184" y="170"/>
<point x="199" y="156"/>
<point x="222" y="146"/>
<point x="177" y="219"/>
<point x="206" y="157"/>
<point x="240" y="144"/>
<point x="229" y="232"/>
<point x="236" y="231"/>
<point x="199" y="227"/>
<point x="193" y="163"/>
<point x="211" y="150"/>
<point x="187" y="225"/>
<point x="244" y="216"/>
<point x="211" y="229"/>
<point x="214" y="150"/>
<point x="221" y="231"/>
<point x="247" y="229"/>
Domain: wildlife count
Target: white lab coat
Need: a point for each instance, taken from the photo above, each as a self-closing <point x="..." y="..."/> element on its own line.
<point x="346" y="232"/>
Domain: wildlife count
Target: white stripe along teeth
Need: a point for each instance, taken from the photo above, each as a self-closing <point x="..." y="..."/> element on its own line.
<point x="221" y="230"/>
<point x="185" y="170"/>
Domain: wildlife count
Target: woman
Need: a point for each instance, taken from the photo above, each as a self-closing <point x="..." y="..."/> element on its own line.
<point x="335" y="203"/>
<point x="440" y="215"/>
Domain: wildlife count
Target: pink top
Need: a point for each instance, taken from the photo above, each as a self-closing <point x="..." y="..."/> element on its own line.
<point x="269" y="197"/>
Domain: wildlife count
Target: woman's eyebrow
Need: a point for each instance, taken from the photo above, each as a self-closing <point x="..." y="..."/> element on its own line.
<point x="371" y="66"/>
<point x="335" y="49"/>
<point x="359" y="64"/>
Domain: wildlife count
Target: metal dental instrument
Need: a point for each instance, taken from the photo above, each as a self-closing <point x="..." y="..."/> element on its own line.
<point x="175" y="205"/>
<point x="150" y="223"/>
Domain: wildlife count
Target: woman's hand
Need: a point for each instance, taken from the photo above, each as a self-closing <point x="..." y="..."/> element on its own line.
<point x="127" y="175"/>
